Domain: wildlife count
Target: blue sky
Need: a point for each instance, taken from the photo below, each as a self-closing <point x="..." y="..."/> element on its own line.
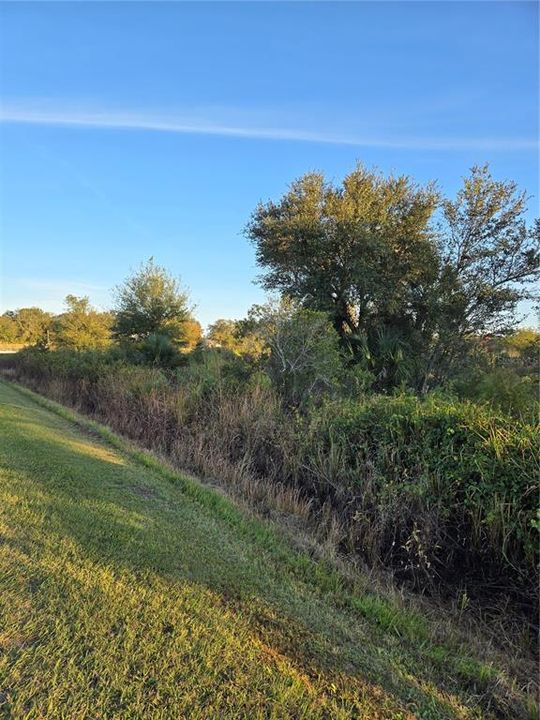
<point x="130" y="130"/>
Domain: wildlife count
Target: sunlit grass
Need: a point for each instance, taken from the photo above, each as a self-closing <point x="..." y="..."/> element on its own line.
<point x="127" y="591"/>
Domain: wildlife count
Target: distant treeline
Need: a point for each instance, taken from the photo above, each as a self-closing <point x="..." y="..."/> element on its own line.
<point x="79" y="327"/>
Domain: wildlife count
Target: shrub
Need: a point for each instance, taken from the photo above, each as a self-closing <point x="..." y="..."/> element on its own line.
<point x="159" y="350"/>
<point x="302" y="355"/>
<point x="505" y="390"/>
<point x="442" y="490"/>
<point x="435" y="486"/>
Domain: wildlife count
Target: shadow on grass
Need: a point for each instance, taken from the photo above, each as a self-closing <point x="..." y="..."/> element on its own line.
<point x="128" y="517"/>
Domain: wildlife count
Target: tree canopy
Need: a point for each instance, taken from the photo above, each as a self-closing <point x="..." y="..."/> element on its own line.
<point x="223" y="333"/>
<point x="81" y="326"/>
<point x="357" y="251"/>
<point x="151" y="302"/>
<point x="403" y="290"/>
<point x="26" y="326"/>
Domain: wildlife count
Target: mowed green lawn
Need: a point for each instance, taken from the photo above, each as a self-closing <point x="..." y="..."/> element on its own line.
<point x="127" y="592"/>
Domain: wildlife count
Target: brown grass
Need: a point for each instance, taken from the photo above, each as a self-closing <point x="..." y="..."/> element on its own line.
<point x="246" y="445"/>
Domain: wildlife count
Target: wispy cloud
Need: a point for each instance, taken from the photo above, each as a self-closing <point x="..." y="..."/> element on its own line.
<point x="168" y="123"/>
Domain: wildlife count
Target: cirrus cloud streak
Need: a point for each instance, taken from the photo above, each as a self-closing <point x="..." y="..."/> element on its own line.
<point x="16" y="113"/>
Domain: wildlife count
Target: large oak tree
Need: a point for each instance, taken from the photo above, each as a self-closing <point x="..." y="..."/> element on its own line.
<point x="403" y="291"/>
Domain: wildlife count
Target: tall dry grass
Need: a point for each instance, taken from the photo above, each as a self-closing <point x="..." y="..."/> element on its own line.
<point x="442" y="493"/>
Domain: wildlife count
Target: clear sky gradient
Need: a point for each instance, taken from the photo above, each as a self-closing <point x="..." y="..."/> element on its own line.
<point x="131" y="130"/>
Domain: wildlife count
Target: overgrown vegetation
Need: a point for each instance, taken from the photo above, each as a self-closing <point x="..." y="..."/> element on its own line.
<point x="406" y="276"/>
<point x="442" y="490"/>
<point x="127" y="590"/>
<point x="386" y="398"/>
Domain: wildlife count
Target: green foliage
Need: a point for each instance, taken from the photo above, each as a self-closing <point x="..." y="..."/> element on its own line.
<point x="192" y="333"/>
<point x="455" y="485"/>
<point x="442" y="490"/>
<point x="212" y="371"/>
<point x="34" y="326"/>
<point x="404" y="294"/>
<point x="505" y="390"/>
<point x="222" y="333"/>
<point x="489" y="256"/>
<point x="488" y="261"/>
<point x="151" y="302"/>
<point x="303" y="358"/>
<point x="26" y="326"/>
<point x="81" y="327"/>
<point x="134" y="591"/>
<point x="8" y="328"/>
<point x="387" y="354"/>
<point x="522" y="348"/>
<point x="158" y="350"/>
<point x="241" y="337"/>
<point x="357" y="251"/>
<point x="502" y="370"/>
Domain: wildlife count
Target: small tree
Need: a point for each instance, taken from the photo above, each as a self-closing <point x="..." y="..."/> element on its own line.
<point x="151" y="302"/>
<point x="304" y="359"/>
<point x="81" y="326"/>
